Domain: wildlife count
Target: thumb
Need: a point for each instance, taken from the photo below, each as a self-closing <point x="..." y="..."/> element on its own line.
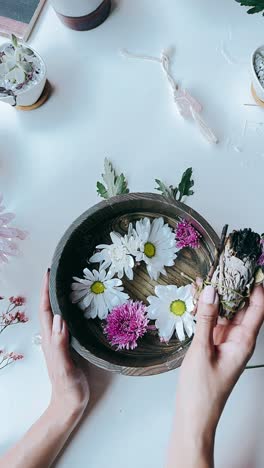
<point x="208" y="308"/>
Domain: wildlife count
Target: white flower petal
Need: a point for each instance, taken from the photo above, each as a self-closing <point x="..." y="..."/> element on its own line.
<point x="102" y="309"/>
<point x="80" y="286"/>
<point x="88" y="274"/>
<point x="116" y="238"/>
<point x="103" y="246"/>
<point x="162" y="292"/>
<point x="180" y="329"/>
<point x="98" y="257"/>
<point x="129" y="272"/>
<point x="166" y="329"/>
<point x="76" y="296"/>
<point x="189" y="324"/>
<point x="189" y="304"/>
<point x="112" y="283"/>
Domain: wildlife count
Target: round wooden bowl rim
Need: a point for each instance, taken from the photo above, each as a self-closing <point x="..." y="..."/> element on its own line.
<point x="200" y="222"/>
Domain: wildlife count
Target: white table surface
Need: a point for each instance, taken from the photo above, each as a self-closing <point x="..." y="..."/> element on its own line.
<point x="50" y="159"/>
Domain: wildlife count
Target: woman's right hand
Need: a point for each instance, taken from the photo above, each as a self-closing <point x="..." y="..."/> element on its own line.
<point x="215" y="360"/>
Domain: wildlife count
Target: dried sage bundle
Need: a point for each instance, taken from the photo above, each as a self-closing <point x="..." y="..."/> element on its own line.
<point x="238" y="270"/>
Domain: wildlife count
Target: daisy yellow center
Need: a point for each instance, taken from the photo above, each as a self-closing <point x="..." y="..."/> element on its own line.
<point x="178" y="307"/>
<point x="149" y="250"/>
<point x="98" y="287"/>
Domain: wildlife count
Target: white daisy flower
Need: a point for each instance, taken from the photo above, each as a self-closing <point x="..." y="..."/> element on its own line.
<point x="171" y="308"/>
<point x="115" y="256"/>
<point x="97" y="293"/>
<point x="157" y="245"/>
<point x="131" y="241"/>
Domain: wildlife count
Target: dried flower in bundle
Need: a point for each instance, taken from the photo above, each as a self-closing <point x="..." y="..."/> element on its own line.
<point x="234" y="276"/>
<point x="261" y="258"/>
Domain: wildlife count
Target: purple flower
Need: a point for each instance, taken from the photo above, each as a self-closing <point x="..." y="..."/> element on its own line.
<point x="186" y="235"/>
<point x="126" y="324"/>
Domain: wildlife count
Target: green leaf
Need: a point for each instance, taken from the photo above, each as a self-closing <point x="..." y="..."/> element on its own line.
<point x="114" y="184"/>
<point x="26" y="66"/>
<point x="166" y="191"/>
<point x="14" y="40"/>
<point x="101" y="190"/>
<point x="186" y="184"/>
<point x="256" y="5"/>
<point x="183" y="189"/>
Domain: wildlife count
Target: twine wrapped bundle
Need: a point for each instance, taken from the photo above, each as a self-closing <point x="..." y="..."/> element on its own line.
<point x="236" y="270"/>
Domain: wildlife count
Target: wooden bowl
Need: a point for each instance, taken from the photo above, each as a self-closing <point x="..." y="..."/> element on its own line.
<point x="76" y="247"/>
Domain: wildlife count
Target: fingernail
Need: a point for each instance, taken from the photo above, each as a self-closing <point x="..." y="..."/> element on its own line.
<point x="48" y="270"/>
<point x="209" y="295"/>
<point x="57" y="323"/>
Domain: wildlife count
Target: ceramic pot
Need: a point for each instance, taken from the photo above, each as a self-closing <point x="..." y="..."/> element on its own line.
<point x="259" y="89"/>
<point x="30" y="94"/>
<point x="82" y="15"/>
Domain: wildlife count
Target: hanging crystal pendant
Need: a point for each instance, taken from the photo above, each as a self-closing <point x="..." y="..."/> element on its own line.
<point x="36" y="339"/>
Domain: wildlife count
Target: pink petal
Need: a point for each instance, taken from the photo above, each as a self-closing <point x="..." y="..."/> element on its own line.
<point x="22" y="235"/>
<point x="3" y="258"/>
<point x="5" y="218"/>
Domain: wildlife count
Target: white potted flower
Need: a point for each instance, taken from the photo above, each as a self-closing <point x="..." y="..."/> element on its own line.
<point x="22" y="74"/>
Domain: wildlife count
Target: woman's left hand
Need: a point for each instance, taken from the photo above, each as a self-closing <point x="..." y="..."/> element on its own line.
<point x="70" y="390"/>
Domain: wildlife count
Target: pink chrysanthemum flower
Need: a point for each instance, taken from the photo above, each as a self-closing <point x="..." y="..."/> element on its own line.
<point x="126" y="324"/>
<point x="8" y="235"/>
<point x="186" y="235"/>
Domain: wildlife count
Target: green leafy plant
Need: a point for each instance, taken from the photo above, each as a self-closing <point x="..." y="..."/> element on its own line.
<point x="256" y="6"/>
<point x="16" y="65"/>
<point x="114" y="184"/>
<point x="182" y="190"/>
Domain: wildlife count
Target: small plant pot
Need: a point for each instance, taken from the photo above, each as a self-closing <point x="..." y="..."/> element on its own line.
<point x="29" y="93"/>
<point x="82" y="15"/>
<point x="257" y="86"/>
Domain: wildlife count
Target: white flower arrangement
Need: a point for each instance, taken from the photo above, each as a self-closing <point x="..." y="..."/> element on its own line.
<point x="153" y="243"/>
<point x="100" y="293"/>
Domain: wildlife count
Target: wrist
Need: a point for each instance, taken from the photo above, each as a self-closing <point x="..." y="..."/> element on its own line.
<point x="64" y="414"/>
<point x="195" y="449"/>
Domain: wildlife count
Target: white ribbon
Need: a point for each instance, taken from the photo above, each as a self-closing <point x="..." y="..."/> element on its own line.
<point x="187" y="105"/>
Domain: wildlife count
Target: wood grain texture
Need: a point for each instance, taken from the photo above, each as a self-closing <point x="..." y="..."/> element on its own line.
<point x="76" y="247"/>
<point x="255" y="96"/>
<point x="47" y="91"/>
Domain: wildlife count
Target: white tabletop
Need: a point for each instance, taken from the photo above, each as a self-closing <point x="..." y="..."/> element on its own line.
<point x="50" y="159"/>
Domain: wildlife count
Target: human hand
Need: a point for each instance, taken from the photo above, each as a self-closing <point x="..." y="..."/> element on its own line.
<point x="70" y="390"/>
<point x="215" y="360"/>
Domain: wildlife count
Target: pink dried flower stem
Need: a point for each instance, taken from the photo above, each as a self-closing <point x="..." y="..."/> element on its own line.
<point x="9" y="358"/>
<point x="12" y="317"/>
